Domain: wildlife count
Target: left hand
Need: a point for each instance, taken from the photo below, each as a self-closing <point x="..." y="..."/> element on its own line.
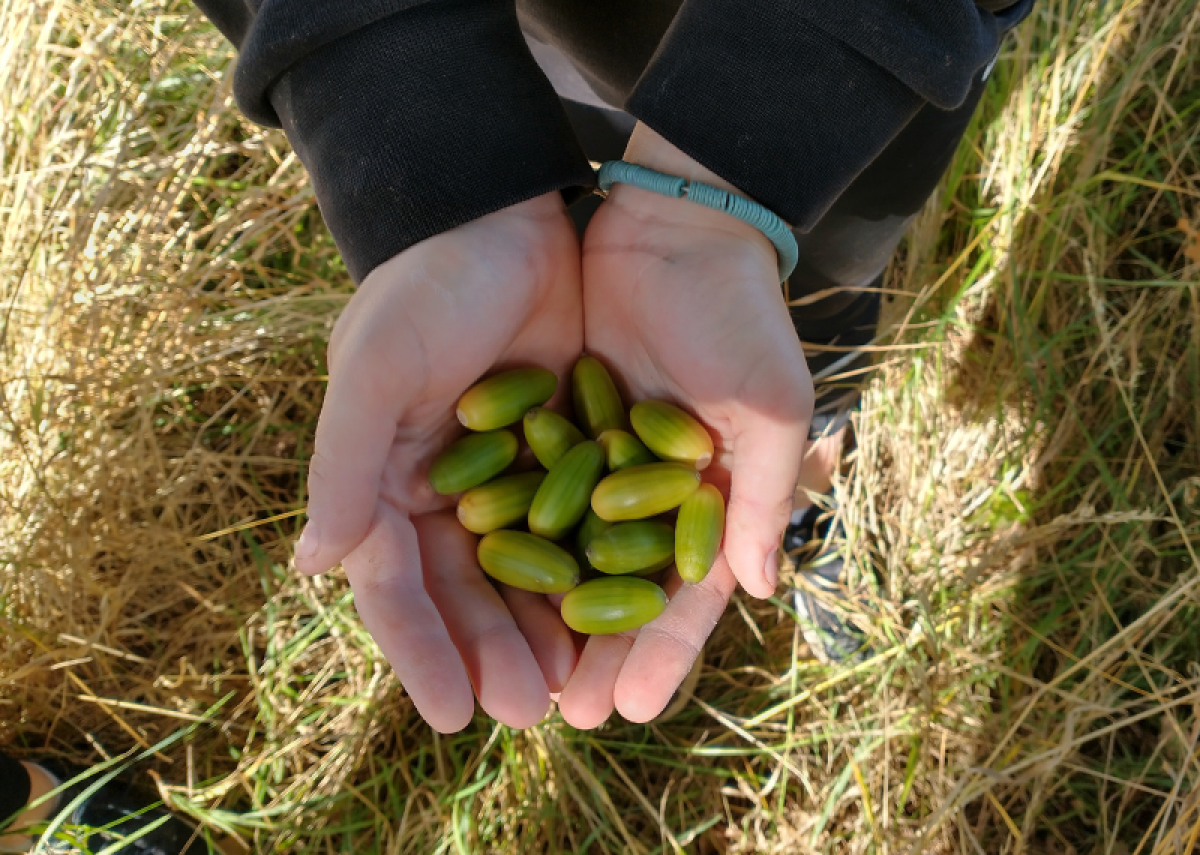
<point x="683" y="303"/>
<point x="499" y="291"/>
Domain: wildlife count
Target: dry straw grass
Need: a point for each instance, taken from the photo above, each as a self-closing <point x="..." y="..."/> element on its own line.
<point x="1023" y="507"/>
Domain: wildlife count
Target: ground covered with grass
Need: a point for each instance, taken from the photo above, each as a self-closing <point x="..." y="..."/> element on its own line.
<point x="1025" y="499"/>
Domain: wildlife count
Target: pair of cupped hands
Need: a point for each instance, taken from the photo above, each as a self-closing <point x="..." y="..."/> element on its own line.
<point x="682" y="303"/>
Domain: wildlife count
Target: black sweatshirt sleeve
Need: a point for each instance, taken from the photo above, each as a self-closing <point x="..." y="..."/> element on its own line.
<point x="790" y="99"/>
<point x="412" y="117"/>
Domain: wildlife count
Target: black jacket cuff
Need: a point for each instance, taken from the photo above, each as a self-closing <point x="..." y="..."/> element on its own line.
<point x="423" y="121"/>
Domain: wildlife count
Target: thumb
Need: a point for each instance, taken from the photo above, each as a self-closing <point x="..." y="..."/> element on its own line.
<point x="767" y="455"/>
<point x="355" y="432"/>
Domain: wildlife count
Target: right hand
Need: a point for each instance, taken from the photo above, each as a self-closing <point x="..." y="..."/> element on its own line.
<point x="500" y="291"/>
<point x="683" y="303"/>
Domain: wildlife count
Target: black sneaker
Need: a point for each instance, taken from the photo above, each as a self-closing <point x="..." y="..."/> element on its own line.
<point x="116" y="811"/>
<point x="813" y="543"/>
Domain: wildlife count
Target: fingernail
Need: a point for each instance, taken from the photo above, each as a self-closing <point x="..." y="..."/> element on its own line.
<point x="306" y="544"/>
<point x="771" y="568"/>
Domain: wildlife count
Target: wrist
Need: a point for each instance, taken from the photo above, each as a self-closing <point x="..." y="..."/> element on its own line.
<point x="535" y="222"/>
<point x="546" y="206"/>
<point x="647" y="148"/>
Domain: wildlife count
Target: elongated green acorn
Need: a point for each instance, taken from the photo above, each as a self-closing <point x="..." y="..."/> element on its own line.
<point x="589" y="527"/>
<point x="615" y="604"/>
<point x="563" y="497"/>
<point x="671" y="433"/>
<point x="644" y="491"/>
<point x="598" y="405"/>
<point x="504" y="398"/>
<point x="640" y="546"/>
<point x="472" y="460"/>
<point x="498" y="503"/>
<point x="550" y="436"/>
<point x="622" y="450"/>
<point x="698" y="532"/>
<point x="528" y="562"/>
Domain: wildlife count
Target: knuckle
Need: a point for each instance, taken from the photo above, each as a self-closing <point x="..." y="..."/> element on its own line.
<point x="318" y="466"/>
<point x="799" y="404"/>
<point x="686" y="630"/>
<point x="496" y="634"/>
<point x="674" y="635"/>
<point x="712" y="607"/>
<point x="751" y="510"/>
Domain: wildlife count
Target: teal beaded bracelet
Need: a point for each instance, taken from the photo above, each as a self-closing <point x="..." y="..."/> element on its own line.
<point x="750" y="212"/>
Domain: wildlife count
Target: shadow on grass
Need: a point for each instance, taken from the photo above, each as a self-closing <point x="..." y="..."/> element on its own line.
<point x="1060" y="512"/>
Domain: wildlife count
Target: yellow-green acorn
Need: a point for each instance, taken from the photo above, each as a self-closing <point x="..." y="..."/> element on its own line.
<point x="472" y="460"/>
<point x="563" y="497"/>
<point x="591" y="526"/>
<point x="549" y="435"/>
<point x="641" y="546"/>
<point x="528" y="562"/>
<point x="644" y="491"/>
<point x="623" y="449"/>
<point x="498" y="503"/>
<point x="615" y="604"/>
<point x="671" y="433"/>
<point x="505" y="397"/>
<point x="598" y="405"/>
<point x="698" y="533"/>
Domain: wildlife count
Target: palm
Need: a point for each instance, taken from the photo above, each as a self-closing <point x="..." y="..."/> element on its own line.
<point x="693" y="313"/>
<point x="458" y="318"/>
<point x="500" y="291"/>
<point x="677" y="329"/>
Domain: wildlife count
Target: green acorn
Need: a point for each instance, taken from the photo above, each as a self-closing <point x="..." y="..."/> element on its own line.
<point x="671" y="433"/>
<point x="698" y="533"/>
<point x="472" y="460"/>
<point x="504" y="398"/>
<point x="563" y="497"/>
<point x="549" y="435"/>
<point x="598" y="405"/>
<point x="499" y="503"/>
<point x="528" y="562"/>
<point x="616" y="604"/>
<point x="641" y="546"/>
<point x="644" y="491"/>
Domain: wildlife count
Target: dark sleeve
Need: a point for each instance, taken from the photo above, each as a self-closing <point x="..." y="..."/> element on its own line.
<point x="412" y="116"/>
<point x="790" y="99"/>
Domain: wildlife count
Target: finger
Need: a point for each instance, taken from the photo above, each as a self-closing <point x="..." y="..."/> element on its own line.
<point x="355" y="432"/>
<point x="766" y="464"/>
<point x="666" y="647"/>
<point x="549" y="638"/>
<point x="587" y="699"/>
<point x="385" y="573"/>
<point x="503" y="670"/>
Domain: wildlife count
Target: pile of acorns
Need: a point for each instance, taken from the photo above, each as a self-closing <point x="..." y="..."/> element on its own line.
<point x="603" y="503"/>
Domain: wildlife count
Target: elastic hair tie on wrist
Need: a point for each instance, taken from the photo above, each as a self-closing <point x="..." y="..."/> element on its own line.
<point x="746" y="210"/>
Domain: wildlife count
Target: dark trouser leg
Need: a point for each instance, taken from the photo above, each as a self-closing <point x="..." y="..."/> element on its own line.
<point x="844" y="255"/>
<point x="14" y="787"/>
<point x="833" y="294"/>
